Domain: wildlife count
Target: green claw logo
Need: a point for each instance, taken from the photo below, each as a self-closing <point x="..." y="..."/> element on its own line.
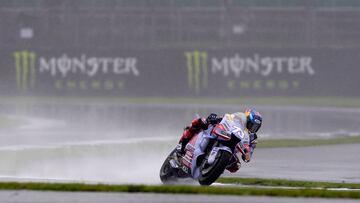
<point x="25" y="69"/>
<point x="197" y="69"/>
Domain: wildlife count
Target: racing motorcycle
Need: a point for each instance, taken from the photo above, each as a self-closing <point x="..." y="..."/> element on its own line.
<point x="206" y="157"/>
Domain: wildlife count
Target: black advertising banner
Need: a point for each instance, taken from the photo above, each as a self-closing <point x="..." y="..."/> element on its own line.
<point x="181" y="73"/>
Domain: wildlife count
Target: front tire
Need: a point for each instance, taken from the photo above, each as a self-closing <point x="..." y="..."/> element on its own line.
<point x="209" y="173"/>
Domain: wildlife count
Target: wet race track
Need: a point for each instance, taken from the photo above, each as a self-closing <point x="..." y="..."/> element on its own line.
<point x="125" y="143"/>
<point x="86" y="197"/>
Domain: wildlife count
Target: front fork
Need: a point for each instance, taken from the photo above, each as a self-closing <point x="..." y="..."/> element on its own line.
<point x="234" y="145"/>
<point x="215" y="150"/>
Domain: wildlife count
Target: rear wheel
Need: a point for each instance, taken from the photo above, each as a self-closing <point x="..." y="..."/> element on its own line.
<point x="167" y="173"/>
<point x="210" y="172"/>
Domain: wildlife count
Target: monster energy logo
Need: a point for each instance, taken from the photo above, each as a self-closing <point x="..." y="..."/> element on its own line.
<point x="25" y="69"/>
<point x="197" y="69"/>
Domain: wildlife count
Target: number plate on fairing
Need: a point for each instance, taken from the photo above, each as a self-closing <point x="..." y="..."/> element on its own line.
<point x="238" y="132"/>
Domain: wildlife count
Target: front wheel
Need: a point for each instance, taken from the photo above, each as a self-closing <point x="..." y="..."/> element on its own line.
<point x="209" y="173"/>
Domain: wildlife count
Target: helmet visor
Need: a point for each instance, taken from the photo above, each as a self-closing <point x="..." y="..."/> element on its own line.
<point x="254" y="127"/>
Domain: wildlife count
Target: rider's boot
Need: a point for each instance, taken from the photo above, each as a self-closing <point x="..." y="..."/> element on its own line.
<point x="180" y="149"/>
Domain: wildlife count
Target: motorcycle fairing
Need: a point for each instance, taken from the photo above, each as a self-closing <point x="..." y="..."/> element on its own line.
<point x="189" y="152"/>
<point x="215" y="151"/>
<point x="200" y="147"/>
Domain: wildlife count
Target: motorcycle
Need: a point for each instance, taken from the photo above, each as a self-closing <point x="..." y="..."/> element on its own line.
<point x="206" y="157"/>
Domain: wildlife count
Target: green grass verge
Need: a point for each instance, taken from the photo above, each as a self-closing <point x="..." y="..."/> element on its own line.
<point x="180" y="189"/>
<point x="278" y="143"/>
<point x="286" y="183"/>
<point x="280" y="101"/>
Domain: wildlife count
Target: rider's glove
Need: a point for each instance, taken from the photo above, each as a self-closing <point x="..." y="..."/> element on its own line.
<point x="203" y="124"/>
<point x="246" y="157"/>
<point x="212" y="119"/>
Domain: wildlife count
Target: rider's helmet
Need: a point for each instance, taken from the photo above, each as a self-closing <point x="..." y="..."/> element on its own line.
<point x="253" y="120"/>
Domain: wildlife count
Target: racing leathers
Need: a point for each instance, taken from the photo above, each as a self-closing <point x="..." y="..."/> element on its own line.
<point x="196" y="126"/>
<point x="223" y="127"/>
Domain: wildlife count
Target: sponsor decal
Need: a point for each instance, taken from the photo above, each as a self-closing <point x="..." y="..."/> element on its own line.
<point x="63" y="69"/>
<point x="235" y="70"/>
<point x="197" y="69"/>
<point x="25" y="72"/>
<point x="238" y="66"/>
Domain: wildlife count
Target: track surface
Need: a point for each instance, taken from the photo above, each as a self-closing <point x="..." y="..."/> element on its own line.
<point x="86" y="197"/>
<point x="127" y="144"/>
<point x="324" y="163"/>
<point x="106" y="164"/>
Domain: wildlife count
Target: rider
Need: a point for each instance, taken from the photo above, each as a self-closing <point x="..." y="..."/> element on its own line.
<point x="250" y="121"/>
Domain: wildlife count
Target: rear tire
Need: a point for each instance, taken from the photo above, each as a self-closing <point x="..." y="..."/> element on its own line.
<point x="167" y="173"/>
<point x="209" y="173"/>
